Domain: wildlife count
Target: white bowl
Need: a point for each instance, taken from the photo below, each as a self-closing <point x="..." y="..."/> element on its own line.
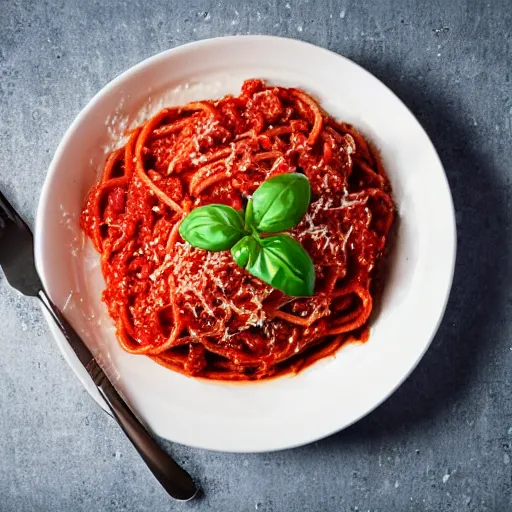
<point x="332" y="393"/>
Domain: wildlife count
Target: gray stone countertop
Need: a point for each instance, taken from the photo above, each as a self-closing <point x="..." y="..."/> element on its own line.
<point x="443" y="441"/>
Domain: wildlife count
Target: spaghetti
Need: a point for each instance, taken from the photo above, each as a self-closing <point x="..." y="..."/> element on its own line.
<point x="197" y="312"/>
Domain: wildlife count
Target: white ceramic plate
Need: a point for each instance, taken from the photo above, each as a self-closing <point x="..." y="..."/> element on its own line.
<point x="332" y="393"/>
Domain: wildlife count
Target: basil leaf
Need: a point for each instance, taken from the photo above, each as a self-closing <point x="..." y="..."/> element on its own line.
<point x="279" y="261"/>
<point x="280" y="202"/>
<point x="215" y="227"/>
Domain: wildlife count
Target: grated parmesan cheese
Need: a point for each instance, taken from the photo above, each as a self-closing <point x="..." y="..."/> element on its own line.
<point x="199" y="275"/>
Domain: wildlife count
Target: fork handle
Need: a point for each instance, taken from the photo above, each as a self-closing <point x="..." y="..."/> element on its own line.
<point x="173" y="478"/>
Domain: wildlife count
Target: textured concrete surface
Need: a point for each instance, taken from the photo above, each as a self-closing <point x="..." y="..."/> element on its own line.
<point x="444" y="440"/>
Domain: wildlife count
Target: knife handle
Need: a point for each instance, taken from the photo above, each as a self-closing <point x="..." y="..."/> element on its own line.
<point x="173" y="478"/>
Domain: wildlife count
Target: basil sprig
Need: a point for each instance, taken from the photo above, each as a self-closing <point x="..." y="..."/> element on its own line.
<point x="277" y="205"/>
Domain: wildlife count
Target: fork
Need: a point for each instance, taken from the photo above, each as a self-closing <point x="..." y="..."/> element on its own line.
<point x="17" y="262"/>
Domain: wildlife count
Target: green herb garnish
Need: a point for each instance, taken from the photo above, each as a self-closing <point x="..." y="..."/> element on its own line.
<point x="215" y="227"/>
<point x="277" y="205"/>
